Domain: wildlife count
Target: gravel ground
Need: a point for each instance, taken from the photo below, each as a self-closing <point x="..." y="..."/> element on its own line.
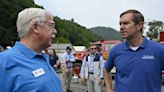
<point x="76" y="87"/>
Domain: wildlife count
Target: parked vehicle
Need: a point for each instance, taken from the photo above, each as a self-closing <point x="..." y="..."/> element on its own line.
<point x="163" y="77"/>
<point x="161" y="38"/>
<point x="79" y="54"/>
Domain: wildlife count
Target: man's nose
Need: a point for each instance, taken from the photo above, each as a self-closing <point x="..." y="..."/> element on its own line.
<point x="54" y="31"/>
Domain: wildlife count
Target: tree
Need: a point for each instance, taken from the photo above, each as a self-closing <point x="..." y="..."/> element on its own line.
<point x="9" y="10"/>
<point x="68" y="31"/>
<point x="154" y="28"/>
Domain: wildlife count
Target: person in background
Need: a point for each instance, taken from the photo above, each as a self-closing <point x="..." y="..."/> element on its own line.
<point x="24" y="68"/>
<point x="138" y="61"/>
<point x="92" y="70"/>
<point x="99" y="49"/>
<point x="53" y="59"/>
<point x="67" y="65"/>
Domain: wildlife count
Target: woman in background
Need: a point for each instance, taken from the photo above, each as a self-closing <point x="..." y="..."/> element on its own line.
<point x="53" y="59"/>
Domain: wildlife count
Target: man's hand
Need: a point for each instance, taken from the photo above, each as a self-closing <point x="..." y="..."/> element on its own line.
<point x="67" y="60"/>
<point x="100" y="81"/>
<point x="66" y="70"/>
<point x="82" y="80"/>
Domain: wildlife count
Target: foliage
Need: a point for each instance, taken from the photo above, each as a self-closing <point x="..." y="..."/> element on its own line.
<point x="68" y="30"/>
<point x="154" y="28"/>
<point x="9" y="10"/>
<point x="106" y="33"/>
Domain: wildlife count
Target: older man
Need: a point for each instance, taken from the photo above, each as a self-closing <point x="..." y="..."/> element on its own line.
<point x="24" y="68"/>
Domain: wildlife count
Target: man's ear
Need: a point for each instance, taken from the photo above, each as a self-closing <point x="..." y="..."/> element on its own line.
<point x="35" y="27"/>
<point x="140" y="25"/>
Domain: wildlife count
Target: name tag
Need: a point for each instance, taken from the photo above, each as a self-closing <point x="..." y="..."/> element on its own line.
<point x="38" y="72"/>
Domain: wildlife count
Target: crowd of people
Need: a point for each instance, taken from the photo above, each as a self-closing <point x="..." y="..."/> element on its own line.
<point x="26" y="68"/>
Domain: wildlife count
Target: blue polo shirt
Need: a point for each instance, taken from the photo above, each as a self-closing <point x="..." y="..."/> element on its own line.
<point x="23" y="70"/>
<point x="70" y="57"/>
<point x="137" y="71"/>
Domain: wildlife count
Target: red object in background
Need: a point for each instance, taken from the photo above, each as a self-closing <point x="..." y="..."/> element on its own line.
<point x="162" y="37"/>
<point x="162" y="72"/>
<point x="105" y="46"/>
<point x="102" y="44"/>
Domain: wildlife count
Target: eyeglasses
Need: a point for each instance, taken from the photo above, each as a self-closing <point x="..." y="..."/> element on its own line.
<point x="49" y="24"/>
<point x="93" y="48"/>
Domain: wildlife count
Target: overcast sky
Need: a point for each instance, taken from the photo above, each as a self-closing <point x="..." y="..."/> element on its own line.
<point x="92" y="13"/>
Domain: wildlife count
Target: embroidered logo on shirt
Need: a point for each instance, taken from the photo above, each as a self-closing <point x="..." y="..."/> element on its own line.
<point x="38" y="72"/>
<point x="148" y="57"/>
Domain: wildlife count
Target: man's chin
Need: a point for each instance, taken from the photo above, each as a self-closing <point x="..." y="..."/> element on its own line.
<point x="124" y="36"/>
<point x="49" y="44"/>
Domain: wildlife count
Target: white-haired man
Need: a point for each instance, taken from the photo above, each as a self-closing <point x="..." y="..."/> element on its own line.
<point x="24" y="68"/>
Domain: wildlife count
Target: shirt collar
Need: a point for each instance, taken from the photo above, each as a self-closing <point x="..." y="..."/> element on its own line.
<point x="27" y="51"/>
<point x="92" y="55"/>
<point x="143" y="44"/>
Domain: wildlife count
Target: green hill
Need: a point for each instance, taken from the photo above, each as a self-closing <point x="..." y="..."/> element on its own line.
<point x="68" y="30"/>
<point x="106" y="33"/>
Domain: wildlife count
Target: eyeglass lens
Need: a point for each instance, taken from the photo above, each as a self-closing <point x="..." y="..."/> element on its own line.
<point x="93" y="48"/>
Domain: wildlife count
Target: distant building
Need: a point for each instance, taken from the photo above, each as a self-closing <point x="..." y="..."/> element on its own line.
<point x="79" y="48"/>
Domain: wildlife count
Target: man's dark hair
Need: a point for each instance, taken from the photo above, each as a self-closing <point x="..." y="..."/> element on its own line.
<point x="68" y="48"/>
<point x="137" y="16"/>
